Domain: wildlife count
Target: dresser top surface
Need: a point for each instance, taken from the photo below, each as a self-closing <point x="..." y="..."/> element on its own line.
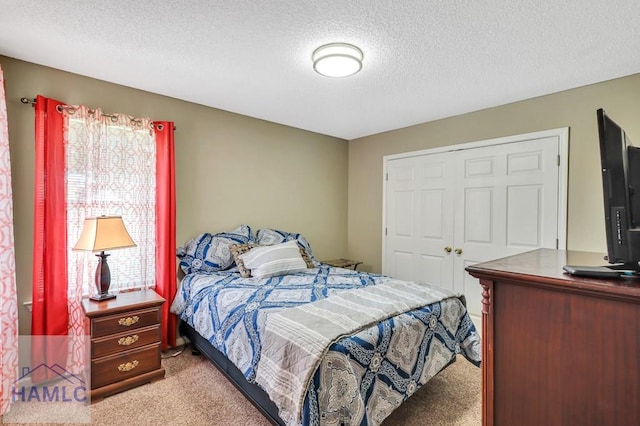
<point x="544" y="267"/>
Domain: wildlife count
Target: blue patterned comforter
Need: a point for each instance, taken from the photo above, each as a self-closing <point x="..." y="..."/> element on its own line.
<point x="363" y="377"/>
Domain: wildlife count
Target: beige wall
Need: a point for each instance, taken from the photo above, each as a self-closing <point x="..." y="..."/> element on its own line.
<point x="230" y="169"/>
<point x="575" y="109"/>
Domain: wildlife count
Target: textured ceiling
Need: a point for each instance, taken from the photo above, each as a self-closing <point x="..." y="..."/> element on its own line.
<point x="424" y="59"/>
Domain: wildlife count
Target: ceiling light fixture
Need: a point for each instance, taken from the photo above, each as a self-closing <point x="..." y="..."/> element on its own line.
<point x="337" y="59"/>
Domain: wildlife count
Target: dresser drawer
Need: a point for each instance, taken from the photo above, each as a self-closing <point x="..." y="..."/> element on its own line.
<point x="114" y="368"/>
<point x="122" y="323"/>
<point x="120" y="342"/>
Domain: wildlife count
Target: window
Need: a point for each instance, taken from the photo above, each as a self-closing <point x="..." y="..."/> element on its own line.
<point x="110" y="170"/>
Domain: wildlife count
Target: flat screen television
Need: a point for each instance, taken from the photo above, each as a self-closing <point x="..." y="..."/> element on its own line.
<point x="620" y="162"/>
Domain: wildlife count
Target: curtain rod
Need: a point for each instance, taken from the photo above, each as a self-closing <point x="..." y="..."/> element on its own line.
<point x="33" y="102"/>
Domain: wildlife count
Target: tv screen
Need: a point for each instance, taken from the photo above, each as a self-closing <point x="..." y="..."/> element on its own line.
<point x="620" y="162"/>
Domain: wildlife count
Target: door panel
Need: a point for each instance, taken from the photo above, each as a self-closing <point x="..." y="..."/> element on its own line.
<point x="509" y="210"/>
<point x="478" y="211"/>
<point x="524" y="216"/>
<point x="432" y="216"/>
<point x="448" y="210"/>
<point x="405" y="264"/>
<point x="471" y="289"/>
<point x="421" y="228"/>
<point x="403" y="223"/>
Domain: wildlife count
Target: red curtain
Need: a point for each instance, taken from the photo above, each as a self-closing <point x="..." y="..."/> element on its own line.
<point x="166" y="227"/>
<point x="50" y="302"/>
<point x="49" y="314"/>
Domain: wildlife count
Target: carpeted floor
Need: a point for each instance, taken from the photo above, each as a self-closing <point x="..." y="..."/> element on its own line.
<point x="194" y="392"/>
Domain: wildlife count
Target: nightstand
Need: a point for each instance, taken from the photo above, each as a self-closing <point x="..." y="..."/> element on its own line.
<point x="343" y="263"/>
<point x="125" y="341"/>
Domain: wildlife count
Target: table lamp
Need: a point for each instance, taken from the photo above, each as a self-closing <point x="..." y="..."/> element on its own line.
<point x="100" y="234"/>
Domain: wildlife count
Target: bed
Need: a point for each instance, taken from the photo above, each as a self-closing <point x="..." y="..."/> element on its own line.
<point x="315" y="344"/>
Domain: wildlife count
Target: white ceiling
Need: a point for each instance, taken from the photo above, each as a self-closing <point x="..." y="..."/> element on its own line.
<point x="424" y="59"/>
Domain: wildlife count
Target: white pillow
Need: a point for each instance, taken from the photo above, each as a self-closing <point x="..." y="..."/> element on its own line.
<point x="278" y="259"/>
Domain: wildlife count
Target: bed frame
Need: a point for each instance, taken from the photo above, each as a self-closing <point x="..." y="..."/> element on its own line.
<point x="255" y="394"/>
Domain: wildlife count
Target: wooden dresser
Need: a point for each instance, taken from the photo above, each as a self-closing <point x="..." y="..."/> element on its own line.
<point x="558" y="349"/>
<point x="125" y="341"/>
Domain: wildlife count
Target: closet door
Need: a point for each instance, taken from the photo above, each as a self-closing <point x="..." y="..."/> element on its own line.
<point x="506" y="202"/>
<point x="447" y="210"/>
<point x="419" y="231"/>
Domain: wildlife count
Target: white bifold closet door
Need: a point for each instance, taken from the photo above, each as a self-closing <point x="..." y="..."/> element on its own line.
<point x="450" y="209"/>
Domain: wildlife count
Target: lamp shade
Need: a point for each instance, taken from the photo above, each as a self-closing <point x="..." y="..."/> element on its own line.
<point x="104" y="233"/>
<point x="337" y="59"/>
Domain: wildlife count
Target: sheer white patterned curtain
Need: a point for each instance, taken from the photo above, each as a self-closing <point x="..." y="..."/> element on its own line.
<point x="111" y="170"/>
<point x="8" y="298"/>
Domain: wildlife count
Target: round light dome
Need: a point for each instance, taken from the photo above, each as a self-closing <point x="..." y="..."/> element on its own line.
<point x="337" y="60"/>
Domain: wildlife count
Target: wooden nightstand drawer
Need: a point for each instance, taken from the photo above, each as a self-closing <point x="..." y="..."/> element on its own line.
<point x="124" y="322"/>
<point x="118" y="367"/>
<point x="125" y="341"/>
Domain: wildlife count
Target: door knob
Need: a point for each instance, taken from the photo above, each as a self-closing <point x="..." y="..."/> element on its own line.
<point x="447" y="249"/>
<point x="458" y="251"/>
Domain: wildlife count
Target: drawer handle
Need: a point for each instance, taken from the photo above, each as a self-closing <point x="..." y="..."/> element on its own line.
<point x="129" y="320"/>
<point x="128" y="366"/>
<point x="129" y="340"/>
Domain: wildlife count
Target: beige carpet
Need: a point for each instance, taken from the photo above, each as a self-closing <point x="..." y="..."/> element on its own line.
<point x="194" y="392"/>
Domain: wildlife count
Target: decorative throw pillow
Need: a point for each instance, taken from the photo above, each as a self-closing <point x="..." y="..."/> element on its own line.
<point x="305" y="256"/>
<point x="236" y="251"/>
<point x="268" y="237"/>
<point x="277" y="259"/>
<point x="211" y="253"/>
